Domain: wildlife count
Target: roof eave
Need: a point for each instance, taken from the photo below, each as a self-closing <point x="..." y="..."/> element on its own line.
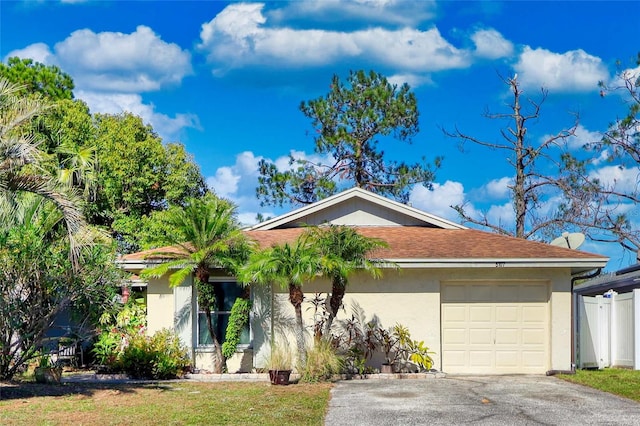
<point x="577" y="265"/>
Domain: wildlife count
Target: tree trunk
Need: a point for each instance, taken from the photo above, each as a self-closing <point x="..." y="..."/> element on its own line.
<point x="337" y="295"/>
<point x="202" y="278"/>
<point x="296" y="296"/>
<point x="218" y="359"/>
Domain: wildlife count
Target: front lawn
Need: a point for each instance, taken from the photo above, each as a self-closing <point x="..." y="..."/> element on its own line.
<point x="175" y="403"/>
<point x="618" y="381"/>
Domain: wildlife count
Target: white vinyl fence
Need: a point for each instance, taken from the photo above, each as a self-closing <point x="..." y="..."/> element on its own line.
<point x="609" y="331"/>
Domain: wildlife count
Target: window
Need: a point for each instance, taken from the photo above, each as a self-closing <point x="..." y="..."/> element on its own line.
<point x="226" y="294"/>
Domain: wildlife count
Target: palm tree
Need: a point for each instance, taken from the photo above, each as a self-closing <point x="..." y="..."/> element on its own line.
<point x="289" y="265"/>
<point x="344" y="251"/>
<point x="20" y="162"/>
<point x="206" y="235"/>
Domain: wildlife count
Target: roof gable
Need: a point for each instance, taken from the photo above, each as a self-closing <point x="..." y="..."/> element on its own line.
<point x="357" y="207"/>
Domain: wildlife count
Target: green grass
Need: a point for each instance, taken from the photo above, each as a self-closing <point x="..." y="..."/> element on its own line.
<point x="617" y="381"/>
<point x="171" y="403"/>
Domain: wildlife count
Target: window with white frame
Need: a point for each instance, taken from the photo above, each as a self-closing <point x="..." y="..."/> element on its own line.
<point x="226" y="294"/>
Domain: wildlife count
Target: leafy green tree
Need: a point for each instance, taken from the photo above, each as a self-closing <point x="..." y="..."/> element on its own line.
<point x="21" y="160"/>
<point x="344" y="252"/>
<point x="207" y="236"/>
<point x="348" y="122"/>
<point x="137" y="176"/>
<point x="38" y="281"/>
<point x="34" y="77"/>
<point x="290" y="266"/>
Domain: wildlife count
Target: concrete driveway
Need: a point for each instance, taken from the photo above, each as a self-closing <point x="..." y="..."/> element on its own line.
<point x="494" y="400"/>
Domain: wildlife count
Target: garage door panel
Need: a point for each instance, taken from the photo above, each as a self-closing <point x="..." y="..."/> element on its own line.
<point x="507" y="336"/>
<point x="480" y="336"/>
<point x="533" y="336"/>
<point x="507" y="359"/>
<point x="506" y="314"/>
<point x="534" y="314"/>
<point x="456" y="358"/>
<point x="534" y="359"/>
<point x="481" y="358"/>
<point x="455" y="313"/>
<point x="495" y="328"/>
<point x="480" y="314"/>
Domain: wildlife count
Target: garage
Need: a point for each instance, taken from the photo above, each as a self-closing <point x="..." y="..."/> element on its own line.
<point x="495" y="327"/>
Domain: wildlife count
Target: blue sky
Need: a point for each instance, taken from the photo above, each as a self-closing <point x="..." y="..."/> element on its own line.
<point x="226" y="79"/>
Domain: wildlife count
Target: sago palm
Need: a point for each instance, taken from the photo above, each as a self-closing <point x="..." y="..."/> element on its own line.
<point x="344" y="251"/>
<point x="290" y="266"/>
<point x="20" y="160"/>
<point x="205" y="234"/>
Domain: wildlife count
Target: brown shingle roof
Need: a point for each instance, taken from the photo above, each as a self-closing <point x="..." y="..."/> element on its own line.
<point x="407" y="242"/>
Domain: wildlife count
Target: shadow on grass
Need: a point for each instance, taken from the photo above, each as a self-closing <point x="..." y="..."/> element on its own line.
<point x="25" y="390"/>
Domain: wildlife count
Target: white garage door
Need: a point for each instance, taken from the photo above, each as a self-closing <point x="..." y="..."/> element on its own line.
<point x="495" y="328"/>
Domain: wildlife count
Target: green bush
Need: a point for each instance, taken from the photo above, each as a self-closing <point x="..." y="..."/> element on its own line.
<point x="160" y="356"/>
<point x="172" y="357"/>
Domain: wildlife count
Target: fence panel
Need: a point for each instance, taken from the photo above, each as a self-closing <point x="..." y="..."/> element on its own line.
<point x="594" y="332"/>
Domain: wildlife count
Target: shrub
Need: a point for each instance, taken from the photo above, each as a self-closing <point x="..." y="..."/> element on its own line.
<point x="172" y="357"/>
<point x="322" y="363"/>
<point x="160" y="356"/>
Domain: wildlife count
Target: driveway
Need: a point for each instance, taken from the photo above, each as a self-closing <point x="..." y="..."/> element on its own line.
<point x="494" y="400"/>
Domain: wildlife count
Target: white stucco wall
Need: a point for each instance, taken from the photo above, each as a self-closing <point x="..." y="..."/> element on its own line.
<point x="410" y="297"/>
<point x="160" y="305"/>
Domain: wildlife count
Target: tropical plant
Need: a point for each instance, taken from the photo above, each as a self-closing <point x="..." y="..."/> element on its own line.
<point x="207" y="236"/>
<point x="20" y="161"/>
<point x="38" y="281"/>
<point x="290" y="266"/>
<point x="344" y="252"/>
<point x="409" y="350"/>
<point x="116" y="328"/>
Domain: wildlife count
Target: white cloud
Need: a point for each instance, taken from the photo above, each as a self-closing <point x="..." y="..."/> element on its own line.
<point x="581" y="136"/>
<point x="498" y="188"/>
<point x="440" y="199"/>
<point x="114" y="103"/>
<point x="603" y="157"/>
<point x="491" y="44"/>
<point x="39" y="52"/>
<point x="237" y="181"/>
<point x="114" y="61"/>
<point x="413" y="80"/>
<point x="111" y="69"/>
<point x="238" y="37"/>
<point x="502" y="215"/>
<point x="572" y="71"/>
<point x="621" y="178"/>
<point x="224" y="182"/>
